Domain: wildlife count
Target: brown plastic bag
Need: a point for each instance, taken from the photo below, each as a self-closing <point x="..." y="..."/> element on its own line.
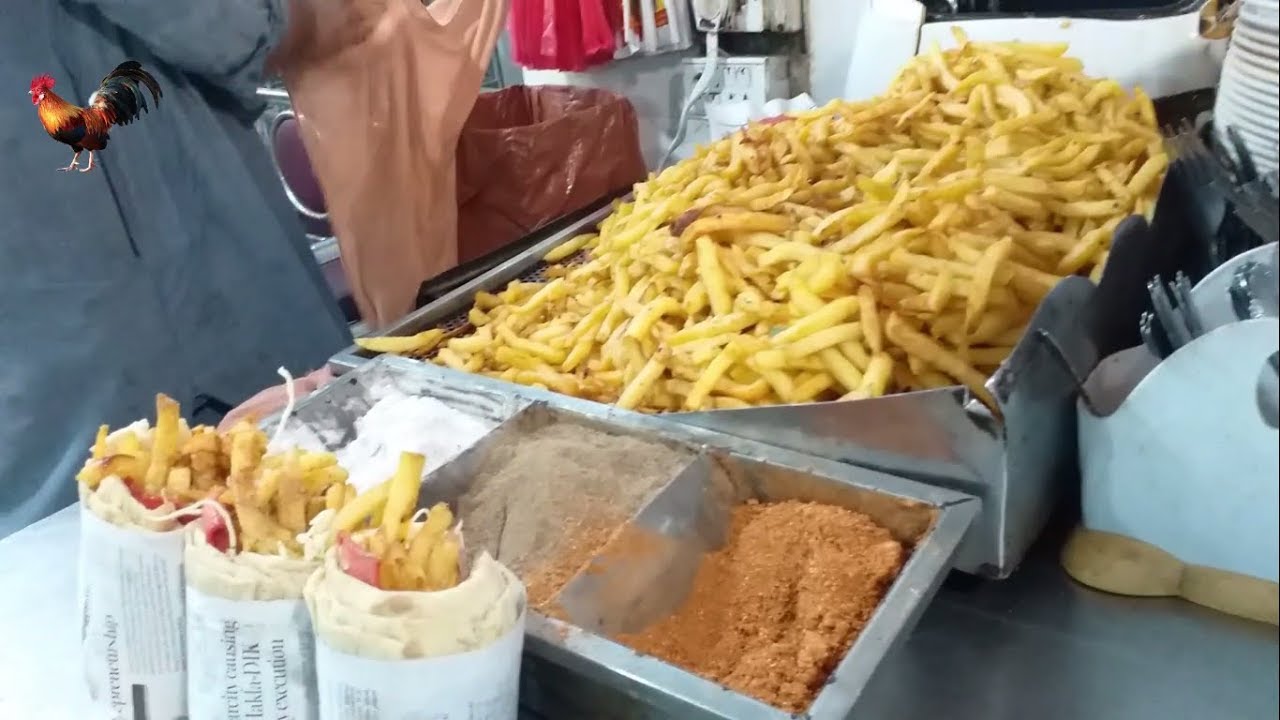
<point x="528" y="156"/>
<point x="381" y="89"/>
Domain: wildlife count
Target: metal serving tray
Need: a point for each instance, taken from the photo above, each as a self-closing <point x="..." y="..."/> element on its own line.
<point x="570" y="671"/>
<point x="1018" y="467"/>
<point x="331" y="412"/>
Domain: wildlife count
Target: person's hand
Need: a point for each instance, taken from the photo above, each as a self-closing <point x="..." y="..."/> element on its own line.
<point x="274" y="398"/>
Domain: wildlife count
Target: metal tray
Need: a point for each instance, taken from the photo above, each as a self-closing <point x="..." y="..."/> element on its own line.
<point x="331" y="412"/>
<point x="1019" y="468"/>
<point x="570" y="671"/>
<point x="450" y="311"/>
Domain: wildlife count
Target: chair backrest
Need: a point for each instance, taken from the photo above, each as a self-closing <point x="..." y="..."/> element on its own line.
<point x="300" y="182"/>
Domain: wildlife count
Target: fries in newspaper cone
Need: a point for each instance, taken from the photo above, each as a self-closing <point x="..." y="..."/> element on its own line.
<point x="270" y="499"/>
<point x="381" y="543"/>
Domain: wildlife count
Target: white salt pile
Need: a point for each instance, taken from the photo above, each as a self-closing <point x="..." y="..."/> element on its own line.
<point x="403" y="423"/>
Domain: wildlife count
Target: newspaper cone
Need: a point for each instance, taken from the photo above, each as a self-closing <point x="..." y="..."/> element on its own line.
<point x="131" y="606"/>
<point x="250" y="646"/>
<point x="456" y="651"/>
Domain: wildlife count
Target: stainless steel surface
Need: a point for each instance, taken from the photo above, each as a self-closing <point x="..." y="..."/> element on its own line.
<point x="1034" y="646"/>
<point x="934" y="520"/>
<point x="325" y="249"/>
<point x="1017" y="468"/>
<point x="331" y="412"/>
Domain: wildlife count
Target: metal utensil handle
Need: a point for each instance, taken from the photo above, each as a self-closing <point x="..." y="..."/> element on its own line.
<point x="1246" y="170"/>
<point x="1187" y="305"/>
<point x="1155" y="344"/>
<point x="288" y="191"/>
<point x="1238" y="290"/>
<point x="1170" y="320"/>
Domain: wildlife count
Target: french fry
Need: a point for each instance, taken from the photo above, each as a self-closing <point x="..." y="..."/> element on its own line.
<point x="402" y="345"/>
<point x="361" y="508"/>
<point x="870" y="317"/>
<point x="439" y="518"/>
<point x="923" y="346"/>
<point x="164" y="443"/>
<point x="402" y="495"/>
<point x="442" y="567"/>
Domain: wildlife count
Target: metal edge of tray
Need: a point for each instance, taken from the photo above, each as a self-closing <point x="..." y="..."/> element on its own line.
<point x="345" y="404"/>
<point x="460" y="299"/>
<point x="661" y="685"/>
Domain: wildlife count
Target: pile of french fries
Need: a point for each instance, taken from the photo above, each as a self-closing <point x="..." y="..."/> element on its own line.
<point x="381" y="542"/>
<point x="271" y="498"/>
<point x="855" y="250"/>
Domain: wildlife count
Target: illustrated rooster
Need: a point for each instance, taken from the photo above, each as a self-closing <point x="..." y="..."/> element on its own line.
<point x="118" y="101"/>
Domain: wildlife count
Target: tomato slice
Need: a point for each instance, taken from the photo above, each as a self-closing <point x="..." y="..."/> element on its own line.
<point x="356" y="561"/>
<point x="215" y="528"/>
<point x="146" y="499"/>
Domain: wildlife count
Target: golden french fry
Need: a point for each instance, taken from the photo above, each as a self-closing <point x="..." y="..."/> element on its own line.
<point x="567" y="248"/>
<point x="179" y="481"/>
<point x="335" y="497"/>
<point x="875" y="381"/>
<point x="362" y="507"/>
<point x="439" y="518"/>
<point x="928" y="350"/>
<point x="442" y="566"/>
<point x="642" y="383"/>
<point x="870" y="317"/>
<point x="100" y="443"/>
<point x="402" y="495"/>
<point x="736" y="222"/>
<point x="984" y="274"/>
<point x="164" y="443"/>
<point x="420" y="343"/>
<point x="291" y="500"/>
<point x="820" y="340"/>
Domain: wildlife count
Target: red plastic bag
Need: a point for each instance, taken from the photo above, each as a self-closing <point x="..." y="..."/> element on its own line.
<point x="569" y="35"/>
<point x="525" y="26"/>
<point x="598" y="37"/>
<point x="562" y="35"/>
<point x="557" y="149"/>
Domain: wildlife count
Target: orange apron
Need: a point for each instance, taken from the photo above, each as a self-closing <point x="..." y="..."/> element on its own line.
<point x="381" y="89"/>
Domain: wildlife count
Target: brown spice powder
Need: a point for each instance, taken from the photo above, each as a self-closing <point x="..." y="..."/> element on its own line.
<point x="772" y="613"/>
<point x="583" y="538"/>
<point x="546" y="501"/>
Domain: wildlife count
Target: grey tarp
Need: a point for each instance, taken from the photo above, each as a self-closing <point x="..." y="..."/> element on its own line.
<point x="176" y="266"/>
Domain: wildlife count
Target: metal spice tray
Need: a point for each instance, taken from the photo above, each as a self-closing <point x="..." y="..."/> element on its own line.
<point x="570" y="671"/>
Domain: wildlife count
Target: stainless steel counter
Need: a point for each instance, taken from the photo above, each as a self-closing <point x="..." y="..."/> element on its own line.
<point x="1034" y="646"/>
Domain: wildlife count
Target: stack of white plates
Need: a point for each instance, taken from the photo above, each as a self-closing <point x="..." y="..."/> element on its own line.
<point x="1249" y="91"/>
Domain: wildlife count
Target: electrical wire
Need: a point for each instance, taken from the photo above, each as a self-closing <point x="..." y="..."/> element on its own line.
<point x="709" y="16"/>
